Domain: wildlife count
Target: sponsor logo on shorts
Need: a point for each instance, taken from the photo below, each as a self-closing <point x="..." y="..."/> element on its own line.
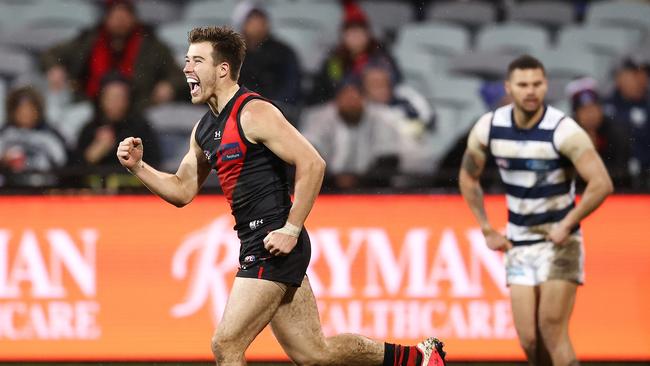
<point x="230" y="152"/>
<point x="255" y="224"/>
<point x="249" y="259"/>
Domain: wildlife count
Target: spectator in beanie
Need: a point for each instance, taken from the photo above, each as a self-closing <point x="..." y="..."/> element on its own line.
<point x="608" y="135"/>
<point x="356" y="49"/>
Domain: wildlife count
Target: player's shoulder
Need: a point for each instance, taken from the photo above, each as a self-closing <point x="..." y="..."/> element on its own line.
<point x="258" y="107"/>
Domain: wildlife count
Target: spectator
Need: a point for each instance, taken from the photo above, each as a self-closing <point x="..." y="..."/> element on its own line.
<point x="494" y="95"/>
<point x="608" y="136"/>
<point x="115" y="119"/>
<point x="120" y="43"/>
<point x="411" y="114"/>
<point x="357" y="48"/>
<point x="358" y="140"/>
<point x="270" y="67"/>
<point x="64" y="112"/>
<point x="630" y="104"/>
<point x="29" y="149"/>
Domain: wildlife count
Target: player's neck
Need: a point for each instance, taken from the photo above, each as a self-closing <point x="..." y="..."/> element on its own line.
<point x="222" y="96"/>
<point x="525" y="120"/>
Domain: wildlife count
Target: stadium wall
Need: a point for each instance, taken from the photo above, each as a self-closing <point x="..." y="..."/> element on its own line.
<point x="132" y="278"/>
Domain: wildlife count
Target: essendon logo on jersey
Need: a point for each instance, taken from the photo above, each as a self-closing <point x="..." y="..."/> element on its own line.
<point x="231" y="151"/>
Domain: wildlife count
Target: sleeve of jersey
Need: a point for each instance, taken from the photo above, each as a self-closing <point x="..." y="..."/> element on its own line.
<point x="479" y="135"/>
<point x="570" y="139"/>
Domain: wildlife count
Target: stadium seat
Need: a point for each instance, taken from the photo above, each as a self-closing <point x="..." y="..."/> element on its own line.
<point x="3" y="97"/>
<point x="173" y="125"/>
<point x="210" y="12"/>
<point x="156" y="12"/>
<point x="435" y="37"/>
<point x="14" y="62"/>
<point x="471" y="14"/>
<point x="386" y="17"/>
<point x="418" y="68"/>
<point x="462" y="94"/>
<point x="59" y="13"/>
<point x="513" y="38"/>
<point x="484" y="64"/>
<point x="556" y="90"/>
<point x="599" y="39"/>
<point x="569" y="63"/>
<point x="72" y="121"/>
<point x="324" y="16"/>
<point x="457" y="91"/>
<point x="307" y="43"/>
<point x="618" y="13"/>
<point x="549" y="14"/>
<point x="37" y="38"/>
<point x="606" y="42"/>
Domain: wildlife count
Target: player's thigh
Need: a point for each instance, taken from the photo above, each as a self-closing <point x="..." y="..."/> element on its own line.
<point x="523" y="299"/>
<point x="297" y="327"/>
<point x="250" y="307"/>
<point x="557" y="298"/>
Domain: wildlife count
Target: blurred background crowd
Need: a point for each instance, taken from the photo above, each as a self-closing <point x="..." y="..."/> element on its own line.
<point x="386" y="90"/>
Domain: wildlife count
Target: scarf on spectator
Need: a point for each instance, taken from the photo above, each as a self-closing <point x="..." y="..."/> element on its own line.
<point x="103" y="59"/>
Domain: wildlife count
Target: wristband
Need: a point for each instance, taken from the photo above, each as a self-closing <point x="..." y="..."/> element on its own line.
<point x="289" y="229"/>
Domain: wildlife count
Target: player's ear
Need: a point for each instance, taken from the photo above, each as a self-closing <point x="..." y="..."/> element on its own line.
<point x="506" y="85"/>
<point x="223" y="69"/>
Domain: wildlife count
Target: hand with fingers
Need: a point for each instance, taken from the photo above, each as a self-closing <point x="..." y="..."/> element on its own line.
<point x="559" y="233"/>
<point x="129" y="152"/>
<point x="496" y="241"/>
<point x="283" y="240"/>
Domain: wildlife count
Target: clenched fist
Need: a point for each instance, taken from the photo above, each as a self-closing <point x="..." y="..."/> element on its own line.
<point x="129" y="152"/>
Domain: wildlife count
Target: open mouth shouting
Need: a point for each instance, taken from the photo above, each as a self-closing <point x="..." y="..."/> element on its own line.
<point x="195" y="86"/>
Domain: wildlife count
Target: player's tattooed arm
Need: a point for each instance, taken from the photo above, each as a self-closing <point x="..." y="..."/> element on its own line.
<point x="470" y="185"/>
<point x="470" y="164"/>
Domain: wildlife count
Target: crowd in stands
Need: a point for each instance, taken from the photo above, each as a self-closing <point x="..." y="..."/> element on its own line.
<point x="384" y="112"/>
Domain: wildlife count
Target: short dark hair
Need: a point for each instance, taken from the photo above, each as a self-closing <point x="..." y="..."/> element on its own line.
<point x="525" y="62"/>
<point x="19" y="95"/>
<point x="227" y="46"/>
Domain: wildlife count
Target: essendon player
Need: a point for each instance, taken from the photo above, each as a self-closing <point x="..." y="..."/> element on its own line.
<point x="249" y="143"/>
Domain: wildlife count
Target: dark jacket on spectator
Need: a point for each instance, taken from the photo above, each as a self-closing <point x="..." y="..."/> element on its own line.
<point x="272" y="70"/>
<point x="636" y="117"/>
<point x="132" y="126"/>
<point x="152" y="61"/>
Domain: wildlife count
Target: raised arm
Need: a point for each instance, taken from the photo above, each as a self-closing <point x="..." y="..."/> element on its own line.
<point x="264" y="124"/>
<point x="573" y="142"/>
<point x="178" y="189"/>
<point x="469" y="181"/>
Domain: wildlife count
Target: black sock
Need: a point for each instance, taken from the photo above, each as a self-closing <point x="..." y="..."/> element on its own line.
<point x="397" y="355"/>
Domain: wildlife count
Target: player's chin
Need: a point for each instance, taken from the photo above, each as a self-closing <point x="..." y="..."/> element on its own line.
<point x="196" y="99"/>
<point x="532" y="107"/>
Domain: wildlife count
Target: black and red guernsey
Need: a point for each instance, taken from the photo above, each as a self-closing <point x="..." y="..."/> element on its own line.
<point x="253" y="178"/>
<point x="254" y="181"/>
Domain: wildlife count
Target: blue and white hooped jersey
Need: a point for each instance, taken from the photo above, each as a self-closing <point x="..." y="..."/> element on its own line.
<point x="539" y="181"/>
